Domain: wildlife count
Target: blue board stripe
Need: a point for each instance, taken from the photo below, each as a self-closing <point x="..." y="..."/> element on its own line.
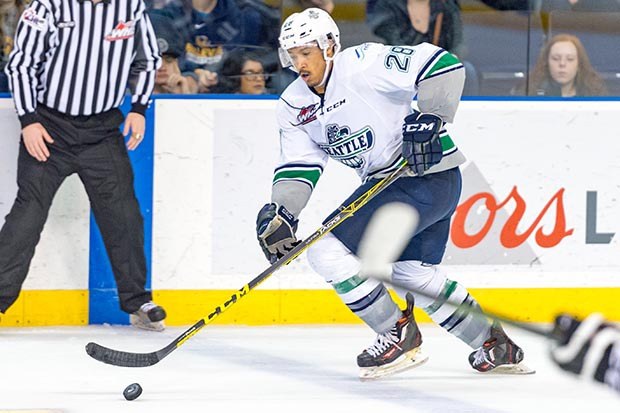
<point x="103" y="298"/>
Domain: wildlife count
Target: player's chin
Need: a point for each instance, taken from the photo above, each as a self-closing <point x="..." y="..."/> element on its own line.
<point x="311" y="83"/>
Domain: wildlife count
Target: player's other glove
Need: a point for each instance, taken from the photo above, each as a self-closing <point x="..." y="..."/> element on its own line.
<point x="275" y="230"/>
<point x="590" y="348"/>
<point x="421" y="144"/>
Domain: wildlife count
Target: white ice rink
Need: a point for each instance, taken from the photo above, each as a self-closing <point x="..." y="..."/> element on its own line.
<point x="273" y="369"/>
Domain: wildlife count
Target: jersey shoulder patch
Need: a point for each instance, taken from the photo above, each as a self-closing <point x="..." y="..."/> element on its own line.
<point x="32" y="19"/>
<point x="297" y="106"/>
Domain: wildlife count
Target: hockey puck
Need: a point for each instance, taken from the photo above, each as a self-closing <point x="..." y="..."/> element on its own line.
<point x="133" y="391"/>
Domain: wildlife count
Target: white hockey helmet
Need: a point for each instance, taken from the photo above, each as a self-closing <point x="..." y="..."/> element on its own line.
<point x="310" y="25"/>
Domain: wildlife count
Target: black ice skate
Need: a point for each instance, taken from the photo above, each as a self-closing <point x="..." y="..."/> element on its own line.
<point x="395" y="350"/>
<point x="499" y="354"/>
<point x="150" y="316"/>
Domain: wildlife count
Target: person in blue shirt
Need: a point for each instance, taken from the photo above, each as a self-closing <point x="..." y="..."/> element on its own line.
<point x="212" y="28"/>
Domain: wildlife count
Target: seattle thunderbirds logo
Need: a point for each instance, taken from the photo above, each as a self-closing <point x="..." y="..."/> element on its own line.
<point x="347" y="147"/>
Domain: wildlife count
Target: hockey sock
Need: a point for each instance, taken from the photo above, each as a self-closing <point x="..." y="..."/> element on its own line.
<point x="370" y="301"/>
<point x="460" y="322"/>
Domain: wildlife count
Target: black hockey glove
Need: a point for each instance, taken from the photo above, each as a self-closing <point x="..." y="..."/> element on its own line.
<point x="590" y="348"/>
<point x="421" y="144"/>
<point x="275" y="230"/>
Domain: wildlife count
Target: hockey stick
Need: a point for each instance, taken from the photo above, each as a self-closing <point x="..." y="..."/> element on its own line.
<point x="129" y="359"/>
<point x="384" y="240"/>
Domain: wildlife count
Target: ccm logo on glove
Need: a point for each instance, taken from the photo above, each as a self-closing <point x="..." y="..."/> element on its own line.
<point x="419" y="127"/>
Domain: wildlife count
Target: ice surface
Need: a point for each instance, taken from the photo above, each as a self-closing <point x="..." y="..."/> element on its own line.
<point x="274" y="369"/>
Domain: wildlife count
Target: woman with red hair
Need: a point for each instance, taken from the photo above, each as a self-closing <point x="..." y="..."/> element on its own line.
<point x="564" y="69"/>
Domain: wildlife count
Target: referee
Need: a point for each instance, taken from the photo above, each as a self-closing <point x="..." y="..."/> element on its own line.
<point x="69" y="69"/>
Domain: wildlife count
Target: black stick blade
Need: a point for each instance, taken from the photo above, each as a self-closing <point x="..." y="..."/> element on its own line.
<point x="121" y="358"/>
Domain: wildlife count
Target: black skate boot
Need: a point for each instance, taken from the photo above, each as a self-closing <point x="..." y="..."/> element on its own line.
<point x="395" y="350"/>
<point x="150" y="316"/>
<point x="499" y="354"/>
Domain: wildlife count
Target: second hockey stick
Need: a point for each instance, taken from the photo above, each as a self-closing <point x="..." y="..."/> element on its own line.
<point x="129" y="359"/>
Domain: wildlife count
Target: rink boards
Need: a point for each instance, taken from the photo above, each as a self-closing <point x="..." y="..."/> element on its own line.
<point x="534" y="234"/>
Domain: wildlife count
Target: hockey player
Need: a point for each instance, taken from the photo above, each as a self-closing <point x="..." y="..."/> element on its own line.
<point x="355" y="107"/>
<point x="589" y="348"/>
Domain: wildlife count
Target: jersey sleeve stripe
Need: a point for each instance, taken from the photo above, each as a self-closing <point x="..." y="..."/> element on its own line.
<point x="299" y="166"/>
<point x="443" y="72"/>
<point x="429" y="64"/>
<point x="447" y="144"/>
<point x="308" y="176"/>
<point x="442" y="62"/>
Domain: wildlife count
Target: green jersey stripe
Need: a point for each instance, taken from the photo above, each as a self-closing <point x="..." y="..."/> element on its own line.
<point x="446" y="143"/>
<point x="308" y="175"/>
<point x="445" y="62"/>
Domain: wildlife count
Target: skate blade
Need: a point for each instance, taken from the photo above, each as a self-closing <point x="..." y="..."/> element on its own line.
<point x="413" y="358"/>
<point x="150" y="326"/>
<point x="517" y="369"/>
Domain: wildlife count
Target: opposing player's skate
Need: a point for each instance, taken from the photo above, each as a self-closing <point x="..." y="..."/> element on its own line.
<point x="499" y="354"/>
<point x="394" y="351"/>
<point x="150" y="316"/>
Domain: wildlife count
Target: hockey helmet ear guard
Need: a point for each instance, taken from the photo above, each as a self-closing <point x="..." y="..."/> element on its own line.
<point x="309" y="26"/>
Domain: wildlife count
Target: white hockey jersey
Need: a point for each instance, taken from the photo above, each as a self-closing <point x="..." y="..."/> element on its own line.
<point x="358" y="121"/>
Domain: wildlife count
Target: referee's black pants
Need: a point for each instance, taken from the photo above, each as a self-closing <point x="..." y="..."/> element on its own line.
<point x="94" y="148"/>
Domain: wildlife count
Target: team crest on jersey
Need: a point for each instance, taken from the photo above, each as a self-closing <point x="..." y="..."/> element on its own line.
<point x="307" y="114"/>
<point x="32" y="19"/>
<point x="122" y="31"/>
<point x="347" y="147"/>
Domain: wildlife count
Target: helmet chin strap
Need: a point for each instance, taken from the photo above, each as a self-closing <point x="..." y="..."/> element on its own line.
<point x="328" y="68"/>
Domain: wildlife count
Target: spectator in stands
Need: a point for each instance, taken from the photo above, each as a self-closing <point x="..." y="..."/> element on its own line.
<point x="212" y="28"/>
<point x="269" y="19"/>
<point x="411" y="22"/>
<point x="242" y="72"/>
<point x="10" y="10"/>
<point x="327" y="5"/>
<point x="564" y="69"/>
<point x="169" y="78"/>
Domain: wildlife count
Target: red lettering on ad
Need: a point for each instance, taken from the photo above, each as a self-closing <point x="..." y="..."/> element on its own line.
<point x="509" y="237"/>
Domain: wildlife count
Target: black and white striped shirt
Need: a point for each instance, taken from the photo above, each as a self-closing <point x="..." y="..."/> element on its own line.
<point x="78" y="57"/>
